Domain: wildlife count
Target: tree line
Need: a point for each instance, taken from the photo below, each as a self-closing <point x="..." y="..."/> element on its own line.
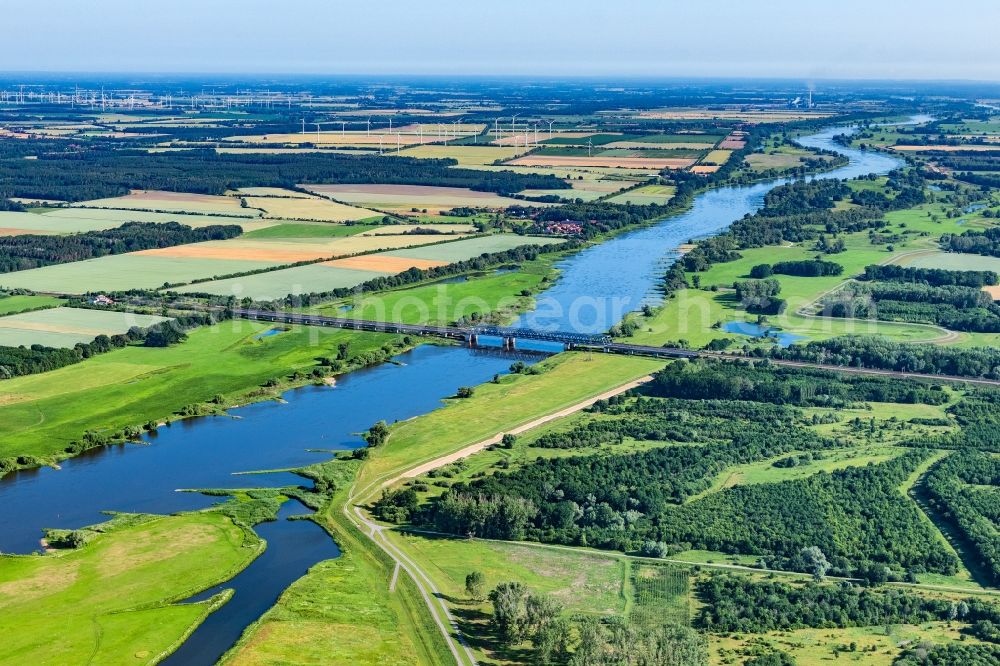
<point x="96" y="171"/>
<point x="881" y="353"/>
<point x="18" y="253"/>
<point x="734" y="603"/>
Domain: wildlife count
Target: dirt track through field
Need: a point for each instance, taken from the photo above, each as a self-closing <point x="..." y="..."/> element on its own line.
<point x="495" y="439"/>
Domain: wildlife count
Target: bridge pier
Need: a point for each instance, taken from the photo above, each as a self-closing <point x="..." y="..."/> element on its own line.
<point x="509" y="342"/>
<point x="473" y="340"/>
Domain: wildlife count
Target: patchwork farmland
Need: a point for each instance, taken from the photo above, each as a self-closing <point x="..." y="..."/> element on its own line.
<point x="352" y="271"/>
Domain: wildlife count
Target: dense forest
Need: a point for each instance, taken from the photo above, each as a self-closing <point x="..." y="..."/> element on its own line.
<point x="18" y="253"/>
<point x="95" y="172"/>
<point x="729" y="415"/>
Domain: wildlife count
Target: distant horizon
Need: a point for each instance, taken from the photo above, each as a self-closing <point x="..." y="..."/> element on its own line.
<point x="850" y="40"/>
<point x="553" y="77"/>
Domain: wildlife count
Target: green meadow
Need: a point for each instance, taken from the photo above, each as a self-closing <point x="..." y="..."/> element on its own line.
<point x="41" y="414"/>
<point x="112" y="601"/>
<point x="23" y="303"/>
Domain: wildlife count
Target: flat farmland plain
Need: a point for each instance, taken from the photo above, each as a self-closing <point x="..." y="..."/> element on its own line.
<point x="465" y="155"/>
<point x="64" y="327"/>
<point x="124" y="271"/>
<point x="309" y="208"/>
<point x="402" y="198"/>
<point x="649" y="194"/>
<point x="470" y="247"/>
<point x="151" y="269"/>
<point x="600" y="161"/>
<point x="277" y="284"/>
<point x="352" y="271"/>
<point x="180" y="202"/>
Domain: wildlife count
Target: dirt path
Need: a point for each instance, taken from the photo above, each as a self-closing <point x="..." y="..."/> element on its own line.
<point x="495" y="439"/>
<point x="446" y="622"/>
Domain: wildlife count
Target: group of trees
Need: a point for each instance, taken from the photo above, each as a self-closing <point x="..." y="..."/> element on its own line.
<point x="760" y="296"/>
<point x="802" y="268"/>
<point x="985" y="242"/>
<point x="958" y="308"/>
<point x="949" y="654"/>
<point x="520" y="616"/>
<point x="935" y="277"/>
<point x="738" y="603"/>
<point x="95" y="171"/>
<point x="18" y="253"/>
<point x="884" y="354"/>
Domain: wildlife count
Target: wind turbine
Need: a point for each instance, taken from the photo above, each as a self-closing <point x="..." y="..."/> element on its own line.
<point x="379" y="144"/>
<point x="496" y="129"/>
<point x="303" y="125"/>
<point x="513" y="131"/>
<point x="397" y="143"/>
<point x="590" y="147"/>
<point x="369" y="132"/>
<point x="343" y="127"/>
<point x="317" y="130"/>
<point x="550" y="128"/>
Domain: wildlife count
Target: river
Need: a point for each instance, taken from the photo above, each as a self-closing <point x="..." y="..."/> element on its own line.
<point x="596" y="287"/>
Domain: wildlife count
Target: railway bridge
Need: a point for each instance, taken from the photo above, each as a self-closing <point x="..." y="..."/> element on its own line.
<point x="507" y="335"/>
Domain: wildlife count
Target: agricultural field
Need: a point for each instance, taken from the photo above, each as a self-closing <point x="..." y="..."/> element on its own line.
<point x="648" y="194"/>
<point x="465" y="155"/>
<point x="470" y="247"/>
<point x="126" y="583"/>
<point x="125" y="271"/>
<point x="286" y="230"/>
<point x="761" y="116"/>
<point x="182" y="264"/>
<point x="173" y="202"/>
<point x="308" y="208"/>
<point x="952" y="261"/>
<point x="64" y="327"/>
<point x="78" y="220"/>
<point x="12" y="304"/>
<point x="352" y="271"/>
<point x="717" y="157"/>
<point x="614" y="162"/>
<point x="403" y="199"/>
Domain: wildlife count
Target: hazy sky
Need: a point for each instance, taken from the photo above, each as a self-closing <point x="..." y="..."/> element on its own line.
<point x="916" y="39"/>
